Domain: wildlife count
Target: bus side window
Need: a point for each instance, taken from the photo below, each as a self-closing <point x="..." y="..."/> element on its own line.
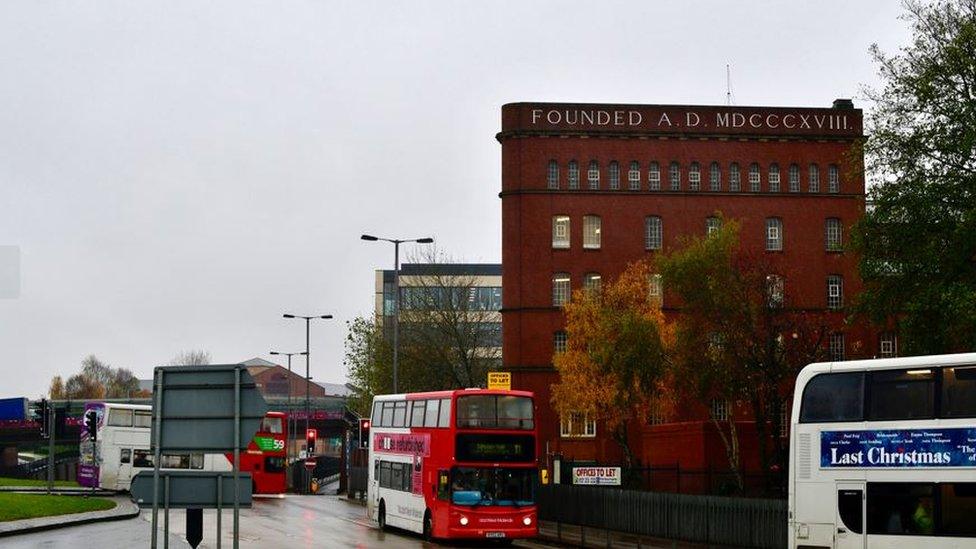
<point x="376" y="470"/>
<point x="443" y="486"/>
<point x="142" y="458"/>
<point x="126" y="455"/>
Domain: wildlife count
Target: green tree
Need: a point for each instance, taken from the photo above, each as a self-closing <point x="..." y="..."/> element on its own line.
<point x="369" y="362"/>
<point x="917" y="241"/>
<point x="615" y="362"/>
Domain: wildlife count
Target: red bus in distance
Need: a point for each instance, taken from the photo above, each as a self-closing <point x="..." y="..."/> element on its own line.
<point x="454" y="464"/>
<point x="265" y="456"/>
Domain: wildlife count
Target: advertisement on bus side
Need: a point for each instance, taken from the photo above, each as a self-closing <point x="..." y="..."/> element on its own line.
<point x="898" y="448"/>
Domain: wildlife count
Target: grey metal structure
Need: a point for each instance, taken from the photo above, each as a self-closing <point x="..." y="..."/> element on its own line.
<point x="186" y="489"/>
<point x="214" y="408"/>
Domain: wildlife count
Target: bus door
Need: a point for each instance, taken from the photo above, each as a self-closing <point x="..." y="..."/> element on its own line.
<point x="124" y="478"/>
<point x="373" y="490"/>
<point x="849" y="521"/>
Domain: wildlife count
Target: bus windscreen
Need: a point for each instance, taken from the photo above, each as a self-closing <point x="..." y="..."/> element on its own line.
<point x="494" y="412"/>
<point x="492" y="486"/>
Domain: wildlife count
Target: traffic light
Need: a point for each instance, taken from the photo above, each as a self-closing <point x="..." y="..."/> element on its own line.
<point x="310" y="435"/>
<point x="91" y="424"/>
<point x="42" y="411"/>
<point x="364" y="432"/>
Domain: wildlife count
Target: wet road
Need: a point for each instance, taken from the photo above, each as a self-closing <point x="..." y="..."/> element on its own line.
<point x="297" y="522"/>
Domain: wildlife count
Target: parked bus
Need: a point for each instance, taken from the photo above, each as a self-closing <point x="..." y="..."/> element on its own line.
<point x="265" y="456"/>
<point x="121" y="450"/>
<point x="454" y="464"/>
<point x="883" y="454"/>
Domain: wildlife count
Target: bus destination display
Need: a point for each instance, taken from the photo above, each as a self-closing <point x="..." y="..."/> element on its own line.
<point x="947" y="447"/>
<point x="495" y="448"/>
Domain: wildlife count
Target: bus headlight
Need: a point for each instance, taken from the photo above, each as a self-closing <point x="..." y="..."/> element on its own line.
<point x="527" y="521"/>
<point x="463" y="521"/>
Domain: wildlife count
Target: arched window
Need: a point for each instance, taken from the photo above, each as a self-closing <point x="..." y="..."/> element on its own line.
<point x="814" y="178"/>
<point x="560" y="231"/>
<point x="560" y="289"/>
<point x="655" y="289"/>
<point x="573" y="174"/>
<point x="694" y="177"/>
<point x="774" y="178"/>
<point x="755" y="184"/>
<point x="592" y="282"/>
<point x="674" y="175"/>
<point x="833" y="234"/>
<point x="774" y="234"/>
<point x="614" y="175"/>
<point x="735" y="178"/>
<point x="553" y="176"/>
<point x="633" y="176"/>
<point x="715" y="177"/>
<point x="591" y="232"/>
<point x="794" y="178"/>
<point x="833" y="179"/>
<point x="593" y="175"/>
<point x="653" y="232"/>
<point x="654" y="177"/>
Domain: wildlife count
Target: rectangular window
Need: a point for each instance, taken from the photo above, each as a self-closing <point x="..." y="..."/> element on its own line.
<point x="142" y="459"/>
<point x="835" y="292"/>
<point x="901" y="508"/>
<point x="560" y="289"/>
<point x="386" y="474"/>
<point x="694" y="177"/>
<point x="774" y="178"/>
<point x="735" y="178"/>
<point x="833" y="234"/>
<point x="396" y="476"/>
<point x="887" y="347"/>
<point x="559" y="341"/>
<point x="552" y="178"/>
<point x="774" y="234"/>
<point x="712" y="225"/>
<point x="120" y="418"/>
<point x="560" y="232"/>
<point x="593" y="176"/>
<point x="142" y="419"/>
<point x="755" y="184"/>
<point x="833" y="179"/>
<point x="902" y="394"/>
<point x="653" y="233"/>
<point x="431" y="413"/>
<point x="958" y="507"/>
<point x="495" y="412"/>
<point x="400" y="414"/>
<point x="833" y="397"/>
<point x="577" y="425"/>
<point x="654" y="177"/>
<point x="835" y="347"/>
<point x="591" y="232"/>
<point x="126" y="456"/>
<point x="377" y="414"/>
<point x="633" y="176"/>
<point x="417" y="413"/>
<point x="614" y="175"/>
<point x="387" y="415"/>
<point x="655" y="290"/>
<point x="720" y="410"/>
<point x="445" y="417"/>
<point x="959" y="391"/>
<point x="814" y="178"/>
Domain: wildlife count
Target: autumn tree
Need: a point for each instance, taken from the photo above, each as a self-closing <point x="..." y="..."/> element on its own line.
<point x="96" y="380"/>
<point x="917" y="240"/>
<point x="369" y="363"/>
<point x="736" y="337"/>
<point x="56" y="389"/>
<point x="615" y="360"/>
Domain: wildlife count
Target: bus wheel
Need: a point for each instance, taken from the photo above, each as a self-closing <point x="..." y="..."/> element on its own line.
<point x="382" y="515"/>
<point x="428" y="526"/>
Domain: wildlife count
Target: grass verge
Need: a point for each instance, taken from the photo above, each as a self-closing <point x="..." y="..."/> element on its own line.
<point x="25" y="506"/>
<point x="7" y="481"/>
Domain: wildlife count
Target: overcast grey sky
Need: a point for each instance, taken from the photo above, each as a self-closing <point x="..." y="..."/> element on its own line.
<point x="179" y="174"/>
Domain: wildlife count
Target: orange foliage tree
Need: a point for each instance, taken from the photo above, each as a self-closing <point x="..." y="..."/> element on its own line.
<point x="615" y="363"/>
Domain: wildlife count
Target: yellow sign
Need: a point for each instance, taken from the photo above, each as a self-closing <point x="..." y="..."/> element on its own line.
<point x="544" y="476"/>
<point x="500" y="380"/>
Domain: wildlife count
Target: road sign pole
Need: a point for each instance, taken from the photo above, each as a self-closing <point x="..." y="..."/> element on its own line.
<point x="166" y="515"/>
<point x="51" y="417"/>
<point x="158" y="405"/>
<point x="237" y="451"/>
<point x="220" y="506"/>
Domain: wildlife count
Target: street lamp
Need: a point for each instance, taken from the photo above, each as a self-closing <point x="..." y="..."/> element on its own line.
<point x="396" y="295"/>
<point x="289" y="437"/>
<point x="308" y="356"/>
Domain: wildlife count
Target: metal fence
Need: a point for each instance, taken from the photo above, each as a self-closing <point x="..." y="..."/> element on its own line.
<point x="740" y="522"/>
<point x="684" y="480"/>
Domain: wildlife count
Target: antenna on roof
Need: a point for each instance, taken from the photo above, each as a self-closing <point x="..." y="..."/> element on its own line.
<point x="728" y="84"/>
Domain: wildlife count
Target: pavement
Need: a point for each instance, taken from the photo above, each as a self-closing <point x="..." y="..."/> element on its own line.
<point x="124" y="509"/>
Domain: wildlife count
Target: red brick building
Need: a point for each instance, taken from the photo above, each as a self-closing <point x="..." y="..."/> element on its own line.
<point x="588" y="188"/>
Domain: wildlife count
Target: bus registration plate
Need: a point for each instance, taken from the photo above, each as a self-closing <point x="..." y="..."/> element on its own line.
<point x="495" y="534"/>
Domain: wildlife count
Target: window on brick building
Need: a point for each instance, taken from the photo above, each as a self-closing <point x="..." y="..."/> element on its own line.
<point x="887" y="345"/>
<point x="833" y="179"/>
<point x="614" y="175"/>
<point x="560" y="289"/>
<point x="553" y="176"/>
<point x="694" y="177"/>
<point x="674" y="176"/>
<point x="835" y="292"/>
<point x="755" y="180"/>
<point x="654" y="177"/>
<point x="833" y="234"/>
<point x="712" y="225"/>
<point x="735" y="178"/>
<point x="794" y="178"/>
<point x="653" y="233"/>
<point x="591" y="232"/>
<point x="633" y="176"/>
<point x="655" y="290"/>
<point x="577" y="425"/>
<point x="715" y="177"/>
<point x="592" y="282"/>
<point x="775" y="291"/>
<point x="774" y="234"/>
<point x="573" y="174"/>
<point x="593" y="175"/>
<point x="774" y="178"/>
<point x="560" y="231"/>
<point x="835" y="346"/>
<point x="559" y="342"/>
<point x="719" y="410"/>
<point x="813" y="176"/>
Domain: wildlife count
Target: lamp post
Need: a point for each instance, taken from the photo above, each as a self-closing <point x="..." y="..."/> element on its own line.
<point x="308" y="356"/>
<point x="396" y="296"/>
<point x="288" y="428"/>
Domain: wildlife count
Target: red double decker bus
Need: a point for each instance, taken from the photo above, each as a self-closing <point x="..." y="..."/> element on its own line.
<point x="454" y="464"/>
<point x="265" y="456"/>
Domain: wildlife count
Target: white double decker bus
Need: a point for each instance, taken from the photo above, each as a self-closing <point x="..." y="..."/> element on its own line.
<point x="883" y="454"/>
